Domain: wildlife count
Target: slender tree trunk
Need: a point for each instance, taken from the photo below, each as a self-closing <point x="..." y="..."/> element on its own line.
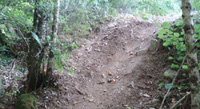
<point x="192" y="60"/>
<point x="48" y="76"/>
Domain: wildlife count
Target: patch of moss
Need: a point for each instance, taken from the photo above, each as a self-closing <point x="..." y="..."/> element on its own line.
<point x="26" y="101"/>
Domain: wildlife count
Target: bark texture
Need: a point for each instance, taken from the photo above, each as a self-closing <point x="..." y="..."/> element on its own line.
<point x="50" y="64"/>
<point x="192" y="60"/>
<point x="36" y="54"/>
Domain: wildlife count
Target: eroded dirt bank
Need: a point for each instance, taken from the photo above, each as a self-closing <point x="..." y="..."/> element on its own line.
<point x="113" y="70"/>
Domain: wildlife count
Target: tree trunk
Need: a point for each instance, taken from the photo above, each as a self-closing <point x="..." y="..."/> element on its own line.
<point x="36" y="54"/>
<point x="48" y="75"/>
<point x="191" y="53"/>
<point x="40" y="59"/>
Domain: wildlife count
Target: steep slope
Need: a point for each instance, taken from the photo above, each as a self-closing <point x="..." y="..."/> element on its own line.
<point x="114" y="70"/>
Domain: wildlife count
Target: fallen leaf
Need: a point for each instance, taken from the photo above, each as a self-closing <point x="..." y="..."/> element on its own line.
<point x="173" y="100"/>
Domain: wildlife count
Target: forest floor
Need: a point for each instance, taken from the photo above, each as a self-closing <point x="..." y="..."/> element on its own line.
<point x="113" y="70"/>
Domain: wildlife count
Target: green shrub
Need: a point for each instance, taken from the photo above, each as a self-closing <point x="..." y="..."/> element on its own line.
<point x="26" y="101"/>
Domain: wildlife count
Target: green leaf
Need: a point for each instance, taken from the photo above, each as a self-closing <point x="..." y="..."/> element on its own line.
<point x="180" y="58"/>
<point x="176" y="34"/>
<point x="160" y="85"/>
<point x="37" y="39"/>
<point x="175" y="43"/>
<point x="182" y="33"/>
<point x="168" y="86"/>
<point x="162" y="31"/>
<point x="128" y="107"/>
<point x="179" y="23"/>
<point x="166" y="44"/>
<point x="166" y="25"/>
<point x="198" y="44"/>
<point x="181" y="39"/>
<point x="145" y="18"/>
<point x="160" y="36"/>
<point x="182" y="87"/>
<point x="174" y="66"/>
<point x="70" y="73"/>
<point x="170" y="32"/>
<point x="48" y="38"/>
<point x="170" y="58"/>
<point x="185" y="67"/>
<point x="167" y="74"/>
<point x="17" y="77"/>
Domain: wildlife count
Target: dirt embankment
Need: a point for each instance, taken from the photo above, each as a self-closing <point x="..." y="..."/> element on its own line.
<point x="113" y="70"/>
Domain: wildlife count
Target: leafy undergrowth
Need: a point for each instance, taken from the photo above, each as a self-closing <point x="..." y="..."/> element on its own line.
<point x="173" y="40"/>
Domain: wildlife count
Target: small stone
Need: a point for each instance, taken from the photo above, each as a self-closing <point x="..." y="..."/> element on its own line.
<point x="117" y="77"/>
<point x="152" y="102"/>
<point x="153" y="45"/>
<point x="75" y="102"/>
<point x="101" y="82"/>
<point x="110" y="73"/>
<point x="91" y="100"/>
<point x="98" y="50"/>
<point x="112" y="81"/>
<point x="54" y="93"/>
<point x="82" y="46"/>
<point x="140" y="52"/>
<point x="103" y="76"/>
<point x="146" y="95"/>
<point x="109" y="80"/>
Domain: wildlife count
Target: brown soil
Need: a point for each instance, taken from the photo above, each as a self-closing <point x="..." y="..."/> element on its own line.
<point x="114" y="70"/>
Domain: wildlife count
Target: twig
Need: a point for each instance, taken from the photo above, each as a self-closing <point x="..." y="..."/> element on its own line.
<point x="172" y="83"/>
<point x="179" y="101"/>
<point x="13" y="67"/>
<point x="185" y="102"/>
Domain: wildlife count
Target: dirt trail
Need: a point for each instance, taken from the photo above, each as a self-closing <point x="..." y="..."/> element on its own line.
<point x="113" y="70"/>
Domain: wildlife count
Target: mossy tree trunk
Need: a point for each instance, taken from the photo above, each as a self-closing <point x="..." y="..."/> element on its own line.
<point x="192" y="60"/>
<point x="36" y="53"/>
<point x="40" y="58"/>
